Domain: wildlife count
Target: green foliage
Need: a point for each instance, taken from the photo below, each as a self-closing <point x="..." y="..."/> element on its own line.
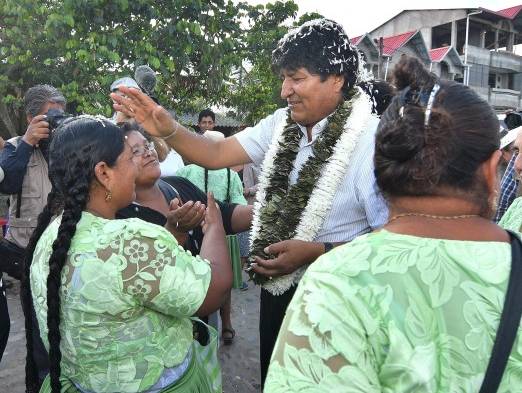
<point x="195" y="46"/>
<point x="256" y="92"/>
<point x="82" y="46"/>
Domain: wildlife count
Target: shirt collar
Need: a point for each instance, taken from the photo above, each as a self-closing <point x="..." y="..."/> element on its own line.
<point x="316" y="130"/>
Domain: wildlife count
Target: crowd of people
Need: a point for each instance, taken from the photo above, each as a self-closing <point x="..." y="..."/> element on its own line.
<point x="373" y="235"/>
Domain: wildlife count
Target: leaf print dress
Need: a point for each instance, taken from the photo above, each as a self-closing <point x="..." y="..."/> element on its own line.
<point x="396" y="313"/>
<point x="128" y="292"/>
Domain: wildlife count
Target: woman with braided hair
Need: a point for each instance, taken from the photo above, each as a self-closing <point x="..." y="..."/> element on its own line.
<point x="113" y="298"/>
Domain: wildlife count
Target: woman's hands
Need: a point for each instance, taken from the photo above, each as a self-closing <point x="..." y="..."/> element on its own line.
<point x="182" y="218"/>
<point x="213" y="219"/>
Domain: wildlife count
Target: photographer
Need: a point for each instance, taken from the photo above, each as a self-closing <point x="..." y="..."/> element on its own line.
<point x="24" y="162"/>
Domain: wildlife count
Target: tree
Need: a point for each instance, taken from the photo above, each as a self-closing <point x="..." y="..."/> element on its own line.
<point x="82" y="46"/>
<point x="256" y="92"/>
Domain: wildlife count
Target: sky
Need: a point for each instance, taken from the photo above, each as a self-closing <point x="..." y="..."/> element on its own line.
<point x="359" y="17"/>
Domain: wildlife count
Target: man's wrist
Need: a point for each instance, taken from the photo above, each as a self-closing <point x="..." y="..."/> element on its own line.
<point x="327" y="247"/>
<point x="175" y="126"/>
<point x="27" y="140"/>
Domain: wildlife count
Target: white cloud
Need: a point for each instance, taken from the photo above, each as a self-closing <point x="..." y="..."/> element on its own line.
<point x="360" y="17"/>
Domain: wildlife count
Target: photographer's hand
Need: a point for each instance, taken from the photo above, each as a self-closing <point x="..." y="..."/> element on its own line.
<point x="37" y="130"/>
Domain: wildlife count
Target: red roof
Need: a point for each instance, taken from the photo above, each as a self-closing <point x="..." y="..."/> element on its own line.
<point x="510" y="13"/>
<point x="391" y="44"/>
<point x="355" y="40"/>
<point x="438" y="54"/>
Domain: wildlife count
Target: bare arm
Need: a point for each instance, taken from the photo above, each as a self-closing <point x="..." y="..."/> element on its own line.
<point x="191" y="146"/>
<point x="242" y="218"/>
<point x="214" y="248"/>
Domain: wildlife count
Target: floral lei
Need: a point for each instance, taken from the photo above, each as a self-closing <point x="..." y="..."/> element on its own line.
<point x="298" y="211"/>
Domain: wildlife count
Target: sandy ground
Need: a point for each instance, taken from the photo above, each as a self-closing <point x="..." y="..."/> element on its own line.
<point x="239" y="361"/>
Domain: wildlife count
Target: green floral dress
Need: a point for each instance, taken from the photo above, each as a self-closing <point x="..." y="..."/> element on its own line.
<point x="512" y="219"/>
<point x="396" y="313"/>
<point x="127" y="293"/>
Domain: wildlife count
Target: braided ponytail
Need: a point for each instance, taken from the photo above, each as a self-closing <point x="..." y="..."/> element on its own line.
<point x="77" y="146"/>
<point x="74" y="203"/>
<point x="51" y="208"/>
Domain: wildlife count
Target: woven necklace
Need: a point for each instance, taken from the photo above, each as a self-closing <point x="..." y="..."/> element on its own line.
<point x="282" y="211"/>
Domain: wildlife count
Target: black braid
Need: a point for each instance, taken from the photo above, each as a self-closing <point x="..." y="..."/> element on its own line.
<point x="228" y="186"/>
<point x="76" y="147"/>
<point x="76" y="186"/>
<point x="206" y="180"/>
<point x="31" y="373"/>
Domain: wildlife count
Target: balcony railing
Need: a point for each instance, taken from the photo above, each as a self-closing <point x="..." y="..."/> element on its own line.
<point x="504" y="98"/>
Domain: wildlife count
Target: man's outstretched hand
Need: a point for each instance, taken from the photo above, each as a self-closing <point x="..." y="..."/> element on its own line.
<point x="154" y="118"/>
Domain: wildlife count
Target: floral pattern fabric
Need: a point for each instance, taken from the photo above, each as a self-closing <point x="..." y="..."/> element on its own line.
<point x="512" y="219"/>
<point x="128" y="290"/>
<point x="396" y="313"/>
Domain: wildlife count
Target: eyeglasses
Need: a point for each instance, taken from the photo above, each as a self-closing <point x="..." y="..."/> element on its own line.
<point x="138" y="151"/>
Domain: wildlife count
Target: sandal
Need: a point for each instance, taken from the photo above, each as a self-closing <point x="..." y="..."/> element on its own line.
<point x="228" y="340"/>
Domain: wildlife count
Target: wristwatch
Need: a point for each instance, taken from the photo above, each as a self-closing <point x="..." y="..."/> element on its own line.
<point x="328" y="247"/>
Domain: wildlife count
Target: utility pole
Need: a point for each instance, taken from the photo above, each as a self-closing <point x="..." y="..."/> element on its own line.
<point x="380" y="46"/>
<point x="466" y="65"/>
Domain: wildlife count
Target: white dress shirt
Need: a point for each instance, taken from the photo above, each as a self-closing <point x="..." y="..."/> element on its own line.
<point x="358" y="207"/>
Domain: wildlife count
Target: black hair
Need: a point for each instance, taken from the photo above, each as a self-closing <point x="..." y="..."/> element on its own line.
<point x="442" y="157"/>
<point x="323" y="48"/>
<point x="76" y="147"/>
<point x="381" y="93"/>
<point x="205" y="113"/>
<point x="133" y="125"/>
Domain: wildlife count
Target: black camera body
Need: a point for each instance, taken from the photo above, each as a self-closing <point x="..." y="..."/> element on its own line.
<point x="55" y="118"/>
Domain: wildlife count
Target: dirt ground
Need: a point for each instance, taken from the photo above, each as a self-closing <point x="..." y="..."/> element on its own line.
<point x="239" y="361"/>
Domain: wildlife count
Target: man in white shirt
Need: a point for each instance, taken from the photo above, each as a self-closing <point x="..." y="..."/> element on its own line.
<point x="317" y="186"/>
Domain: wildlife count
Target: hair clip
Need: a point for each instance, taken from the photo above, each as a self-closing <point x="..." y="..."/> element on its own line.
<point x="427" y="113"/>
<point x="401" y="111"/>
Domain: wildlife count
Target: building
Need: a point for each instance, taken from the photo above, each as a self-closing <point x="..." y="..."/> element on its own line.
<point x="438" y="37"/>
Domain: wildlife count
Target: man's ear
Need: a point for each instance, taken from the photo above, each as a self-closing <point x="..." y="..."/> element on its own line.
<point x="103" y="173"/>
<point x="338" y="82"/>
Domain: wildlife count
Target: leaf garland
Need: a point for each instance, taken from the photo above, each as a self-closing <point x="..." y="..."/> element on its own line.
<point x="284" y="204"/>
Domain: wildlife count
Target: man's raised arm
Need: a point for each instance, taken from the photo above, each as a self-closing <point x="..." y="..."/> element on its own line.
<point x="192" y="147"/>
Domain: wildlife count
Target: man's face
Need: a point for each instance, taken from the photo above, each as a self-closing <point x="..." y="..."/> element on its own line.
<point x="206" y="124"/>
<point x="507" y="153"/>
<point x="45" y="108"/>
<point x="310" y="100"/>
<point x="516" y="150"/>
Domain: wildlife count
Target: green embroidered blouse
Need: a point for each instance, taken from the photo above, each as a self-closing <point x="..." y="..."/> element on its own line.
<point x="396" y="313"/>
<point x="128" y="290"/>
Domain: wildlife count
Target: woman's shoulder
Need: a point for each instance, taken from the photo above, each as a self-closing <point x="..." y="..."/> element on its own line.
<point x="126" y="228"/>
<point x="512" y="219"/>
<point x="347" y="259"/>
<point x="387" y="252"/>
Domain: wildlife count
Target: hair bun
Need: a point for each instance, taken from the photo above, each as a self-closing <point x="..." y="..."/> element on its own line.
<point x="400" y="141"/>
<point x="409" y="71"/>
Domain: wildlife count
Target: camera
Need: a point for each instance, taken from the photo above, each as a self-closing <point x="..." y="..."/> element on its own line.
<point x="55" y="118"/>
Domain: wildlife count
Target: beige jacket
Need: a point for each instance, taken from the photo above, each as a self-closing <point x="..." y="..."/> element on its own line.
<point x="35" y="188"/>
